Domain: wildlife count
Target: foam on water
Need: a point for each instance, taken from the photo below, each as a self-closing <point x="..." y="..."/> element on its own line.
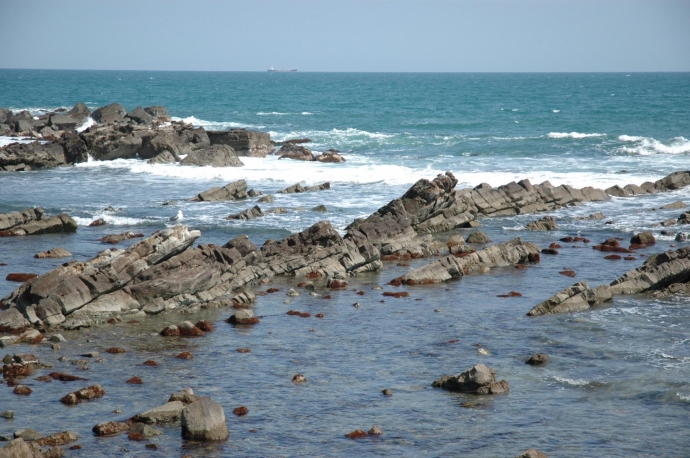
<point x="572" y="135"/>
<point x="216" y="125"/>
<point x="88" y="123"/>
<point x="112" y="220"/>
<point x="645" y="146"/>
<point x="571" y="381"/>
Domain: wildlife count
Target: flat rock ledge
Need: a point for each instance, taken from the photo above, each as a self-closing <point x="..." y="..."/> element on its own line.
<point x="479" y="379"/>
<point x="661" y="274"/>
<point x="512" y="252"/>
<point x="34" y="221"/>
<point x="236" y="190"/>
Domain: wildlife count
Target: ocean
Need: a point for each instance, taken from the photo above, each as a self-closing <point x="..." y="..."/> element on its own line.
<point x="617" y="382"/>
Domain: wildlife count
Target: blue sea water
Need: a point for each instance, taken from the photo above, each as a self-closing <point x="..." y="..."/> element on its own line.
<point x="617" y="383"/>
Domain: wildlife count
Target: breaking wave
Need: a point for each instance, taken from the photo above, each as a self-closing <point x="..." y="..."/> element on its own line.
<point x="572" y="135"/>
<point x="645" y="146"/>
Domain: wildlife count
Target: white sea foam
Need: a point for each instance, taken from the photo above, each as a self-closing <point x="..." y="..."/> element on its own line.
<point x="572" y="135"/>
<point x="683" y="397"/>
<point x="272" y="113"/>
<point x="88" y="123"/>
<point x="556" y="111"/>
<point x="645" y="146"/>
<point x="4" y="141"/>
<point x="111" y="220"/>
<point x="571" y="381"/>
<point x="215" y="125"/>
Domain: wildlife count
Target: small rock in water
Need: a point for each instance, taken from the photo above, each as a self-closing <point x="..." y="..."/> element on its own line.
<point x="150" y="363"/>
<point x="356" y="434"/>
<point x="91" y="354"/>
<point x="57" y="338"/>
<point x="240" y="411"/>
<point x="135" y="381"/>
<point x="185" y="355"/>
<point x="117" y="411"/>
<point x="299" y="378"/>
<point x="437" y="310"/>
<point x="8" y="414"/>
<point x="387" y="392"/>
<point x="538" y="359"/>
<point x="292" y="292"/>
<point x="243" y="350"/>
<point x="375" y="430"/>
<point x="510" y="294"/>
<point x="357" y="305"/>
<point x="483" y="351"/>
<point x="532" y="453"/>
<point x="22" y="390"/>
<point x="115" y="350"/>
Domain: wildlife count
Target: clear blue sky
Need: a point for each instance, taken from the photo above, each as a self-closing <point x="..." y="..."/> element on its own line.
<point x="348" y="35"/>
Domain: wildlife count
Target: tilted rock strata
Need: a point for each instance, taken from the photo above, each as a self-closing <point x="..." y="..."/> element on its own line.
<point x="245" y="142"/>
<point x="33" y="221"/>
<point x="663" y="274"/>
<point x="236" y="190"/>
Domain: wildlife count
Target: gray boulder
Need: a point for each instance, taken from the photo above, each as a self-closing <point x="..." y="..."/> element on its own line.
<point x="296" y="152"/>
<point x="214" y="156"/>
<point x="478" y="237"/>
<point x="250" y="213"/>
<point x="158" y="112"/>
<point x="140" y="116"/>
<point x="32" y="156"/>
<point x="165" y="157"/>
<point x="204" y="420"/>
<point x="79" y="111"/>
<point x="109" y="113"/>
<point x="232" y="191"/>
<point x="547" y="223"/>
<point x="170" y="412"/>
<point x="332" y="156"/>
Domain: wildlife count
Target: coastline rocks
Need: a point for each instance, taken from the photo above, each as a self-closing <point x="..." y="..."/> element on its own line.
<point x="19" y="448"/>
<point x="330" y="156"/>
<point x="214" y="156"/>
<point x="547" y="223"/>
<point x="164" y="157"/>
<point x="296" y="152"/>
<point x="204" y="420"/>
<point x="140" y="116"/>
<point x="243" y="317"/>
<point x="479" y="379"/>
<point x="109" y="113"/>
<point x="244" y="142"/>
<point x="250" y="213"/>
<point x="110" y="428"/>
<point x="502" y="254"/>
<point x="170" y="412"/>
<point x="643" y="238"/>
<point x="17" y="157"/>
<point x="114" y="239"/>
<point x="478" y="238"/>
<point x="538" y="359"/>
<point x="33" y="221"/>
<point x="297" y="188"/>
<point x="233" y="191"/>
<point x="86" y="394"/>
<point x="54" y="253"/>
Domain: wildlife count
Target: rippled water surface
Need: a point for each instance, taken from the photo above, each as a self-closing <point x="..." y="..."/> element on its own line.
<point x="616" y="383"/>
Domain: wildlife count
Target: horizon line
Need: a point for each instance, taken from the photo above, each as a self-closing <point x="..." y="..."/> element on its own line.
<point x="348" y="71"/>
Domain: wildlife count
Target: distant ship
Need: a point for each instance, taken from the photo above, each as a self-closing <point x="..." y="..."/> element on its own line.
<point x="271" y="69"/>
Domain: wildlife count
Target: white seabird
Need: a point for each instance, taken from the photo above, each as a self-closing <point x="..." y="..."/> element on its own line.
<point x="178" y="217"/>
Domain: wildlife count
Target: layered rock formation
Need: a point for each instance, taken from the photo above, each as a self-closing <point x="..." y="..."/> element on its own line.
<point x="244" y="142"/>
<point x="33" y="221"/>
<point x="236" y="190"/>
<point x="662" y="274"/>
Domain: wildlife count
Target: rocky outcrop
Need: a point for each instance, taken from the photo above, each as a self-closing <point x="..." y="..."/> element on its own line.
<point x="296" y="152"/>
<point x="214" y="156"/>
<point x="547" y="223"/>
<point x="54" y="253"/>
<point x="33" y="221"/>
<point x="109" y="113"/>
<point x="297" y="188"/>
<point x="165" y="157"/>
<point x="17" y="157"/>
<point x="502" y="254"/>
<point x="250" y="213"/>
<point x="236" y="190"/>
<point x="332" y="156"/>
<point x="479" y="379"/>
<point x="661" y="274"/>
<point x="244" y="142"/>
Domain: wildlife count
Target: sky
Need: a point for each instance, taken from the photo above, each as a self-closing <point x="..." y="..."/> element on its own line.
<point x="348" y="35"/>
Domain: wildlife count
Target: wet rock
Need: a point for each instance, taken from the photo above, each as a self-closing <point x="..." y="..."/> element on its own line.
<point x="188" y="329"/>
<point x="144" y="430"/>
<point x="478" y="237"/>
<point x="330" y="156"/>
<point x="335" y="283"/>
<point x="214" y="156"/>
<point x="85" y="394"/>
<point x="479" y="379"/>
<point x="27" y="434"/>
<point x="19" y="448"/>
<point x="292" y="292"/>
<point x="170" y="412"/>
<point x="320" y="208"/>
<point x="204" y="326"/>
<point x="186" y="396"/>
<point x="387" y="392"/>
<point x="204" y="420"/>
<point x="266" y="199"/>
<point x="375" y="430"/>
<point x="115" y="350"/>
<point x="593" y="216"/>
<point x="117" y="238"/>
<point x="54" y="253"/>
<point x="250" y="213"/>
<point x="243" y="317"/>
<point x="547" y="223"/>
<point x="356" y="434"/>
<point x="674" y="205"/>
<point x="170" y="331"/>
<point x="164" y="157"/>
<point x="185" y="355"/>
<point x="150" y="363"/>
<point x="135" y="381"/>
<point x="240" y="411"/>
<point x="550" y="251"/>
<point x="643" y="238"/>
<point x="510" y="294"/>
<point x="243" y="350"/>
<point x="22" y="390"/>
<point x="20" y="277"/>
<point x="7" y="414"/>
<point x="299" y="378"/>
<point x="613" y="257"/>
<point x="538" y="359"/>
<point x="236" y="190"/>
<point x="110" y="428"/>
<point x="53" y="440"/>
<point x="396" y="294"/>
<point x="298" y="188"/>
<point x="98" y="222"/>
<point x="245" y="142"/>
<point x="296" y="152"/>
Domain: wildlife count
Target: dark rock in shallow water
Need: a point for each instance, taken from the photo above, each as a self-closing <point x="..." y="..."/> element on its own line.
<point x="215" y="156"/>
<point x="532" y="453"/>
<point x="34" y="222"/>
<point x="478" y="237"/>
<point x="538" y="359"/>
<point x="244" y="142"/>
<point x="74" y="148"/>
<point x="297" y="188"/>
<point x="480" y="379"/>
<point x="204" y="420"/>
<point x="166" y="157"/>
<point x="233" y="191"/>
<point x="331" y="156"/>
<point x="249" y="213"/>
<point x="32" y="156"/>
<point x="643" y="238"/>
<point x="54" y="253"/>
